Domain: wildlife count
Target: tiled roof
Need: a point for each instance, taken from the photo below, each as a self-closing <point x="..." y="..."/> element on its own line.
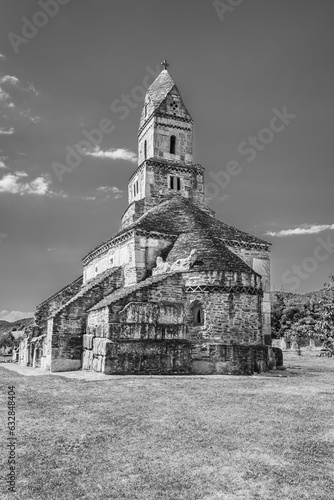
<point x="160" y="87"/>
<point x="88" y="286"/>
<point x="212" y="253"/>
<point x="179" y="215"/>
<point x="123" y="292"/>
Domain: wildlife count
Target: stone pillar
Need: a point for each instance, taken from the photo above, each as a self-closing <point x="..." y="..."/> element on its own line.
<point x="262" y="267"/>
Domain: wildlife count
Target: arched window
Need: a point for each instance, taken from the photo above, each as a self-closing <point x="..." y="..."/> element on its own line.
<point x="172" y="145"/>
<point x="145" y="150"/>
<point x="198" y="315"/>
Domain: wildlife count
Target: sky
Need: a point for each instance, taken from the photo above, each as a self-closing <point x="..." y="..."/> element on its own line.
<point x="257" y="78"/>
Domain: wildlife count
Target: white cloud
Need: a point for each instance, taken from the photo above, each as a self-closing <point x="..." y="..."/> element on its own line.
<point x="304" y="229"/>
<point x="4" y="96"/>
<point x="112" y="154"/>
<point x="11" y="183"/>
<point x="12" y="80"/>
<point x="7" y="131"/>
<point x="3" y="160"/>
<point x="14" y="315"/>
<point x="2" y="57"/>
<point x="35" y="119"/>
<point x="17" y="104"/>
<point x="110" y="190"/>
<point x="3" y="236"/>
<point x="31" y="88"/>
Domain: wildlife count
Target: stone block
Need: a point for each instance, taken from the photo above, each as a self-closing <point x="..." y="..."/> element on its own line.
<point x="87" y="360"/>
<point x="65" y="365"/>
<point x="222" y="367"/>
<point x="201" y="367"/>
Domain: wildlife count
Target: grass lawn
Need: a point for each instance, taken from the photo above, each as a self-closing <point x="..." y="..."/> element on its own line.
<point x="188" y="438"/>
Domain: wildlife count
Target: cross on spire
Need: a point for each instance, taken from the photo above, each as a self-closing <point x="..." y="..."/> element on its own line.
<point x="164" y="64"/>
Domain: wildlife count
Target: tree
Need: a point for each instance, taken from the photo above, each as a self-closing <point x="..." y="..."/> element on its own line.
<point x="276" y="315"/>
<point x="325" y="323"/>
<point x="298" y="322"/>
<point x="7" y="340"/>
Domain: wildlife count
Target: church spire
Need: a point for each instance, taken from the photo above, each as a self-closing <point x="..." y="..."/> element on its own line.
<point x="165" y="129"/>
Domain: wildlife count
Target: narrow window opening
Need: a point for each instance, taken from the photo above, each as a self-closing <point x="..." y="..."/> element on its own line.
<point x="198" y="316"/>
<point x="135" y="188"/>
<point x="172" y="145"/>
<point x="145" y="110"/>
<point x="175" y="183"/>
<point x="145" y="150"/>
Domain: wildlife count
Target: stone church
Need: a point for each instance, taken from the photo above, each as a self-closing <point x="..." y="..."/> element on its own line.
<point x="174" y="291"/>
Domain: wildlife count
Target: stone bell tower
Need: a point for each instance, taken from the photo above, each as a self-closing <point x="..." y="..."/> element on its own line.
<point x="166" y="127"/>
<point x="165" y="152"/>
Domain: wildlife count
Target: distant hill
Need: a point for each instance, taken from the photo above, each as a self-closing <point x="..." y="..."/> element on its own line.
<point x="298" y="297"/>
<point x="20" y="324"/>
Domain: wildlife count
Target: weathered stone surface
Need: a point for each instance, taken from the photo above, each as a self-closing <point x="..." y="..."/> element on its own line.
<point x="148" y="357"/>
<point x="177" y="356"/>
<point x="65" y="365"/>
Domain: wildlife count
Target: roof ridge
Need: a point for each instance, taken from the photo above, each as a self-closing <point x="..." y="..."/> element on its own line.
<point x="87" y="287"/>
<point x="210" y="254"/>
<point x="124" y="291"/>
<point x="163" y="223"/>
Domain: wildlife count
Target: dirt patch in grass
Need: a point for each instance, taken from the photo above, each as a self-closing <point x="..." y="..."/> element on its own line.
<point x="168" y="438"/>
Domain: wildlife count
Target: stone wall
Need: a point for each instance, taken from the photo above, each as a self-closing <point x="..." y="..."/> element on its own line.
<point x="162" y="312"/>
<point x="117" y="255"/>
<point x="259" y="260"/>
<point x="152" y="357"/>
<point x="230" y="318"/>
<point x="223" y="359"/>
<point x="69" y="323"/>
<point x="146" y="134"/>
<point x="138" y="357"/>
<point x="157" y="188"/>
<point x="133" y="212"/>
<point x="143" y="252"/>
<point x="53" y="303"/>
